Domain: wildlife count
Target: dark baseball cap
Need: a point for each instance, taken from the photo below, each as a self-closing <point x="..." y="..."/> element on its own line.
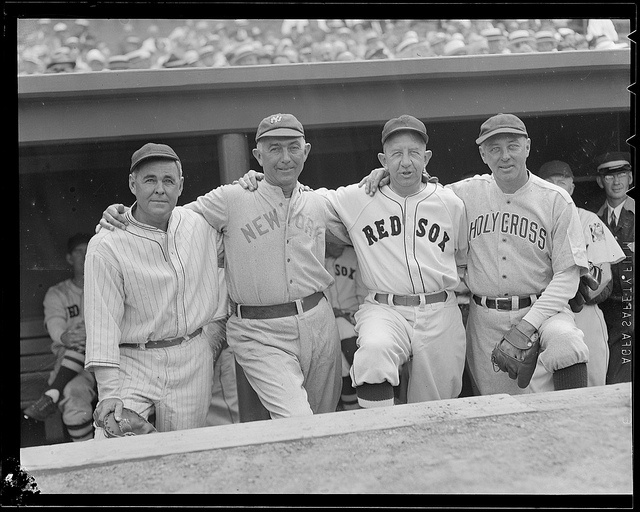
<point x="280" y="125"/>
<point x="613" y="161"/>
<point x="501" y="123"/>
<point x="555" y="168"/>
<point x="152" y="150"/>
<point x="404" y="123"/>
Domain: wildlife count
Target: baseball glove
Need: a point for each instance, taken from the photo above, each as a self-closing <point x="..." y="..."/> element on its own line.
<point x="517" y="354"/>
<point x="130" y="424"/>
<point x="590" y="280"/>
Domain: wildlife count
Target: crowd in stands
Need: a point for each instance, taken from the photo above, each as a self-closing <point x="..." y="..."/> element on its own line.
<point x="62" y="46"/>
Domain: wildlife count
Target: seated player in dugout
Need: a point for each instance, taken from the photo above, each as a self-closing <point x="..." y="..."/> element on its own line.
<point x="518" y="221"/>
<point x="410" y="241"/>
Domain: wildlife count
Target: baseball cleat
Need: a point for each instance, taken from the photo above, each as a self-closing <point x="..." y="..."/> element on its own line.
<point x="41" y="409"/>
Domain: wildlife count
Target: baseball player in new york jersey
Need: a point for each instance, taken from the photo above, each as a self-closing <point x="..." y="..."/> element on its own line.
<point x="282" y="330"/>
<point x="345" y="296"/>
<point x="602" y="251"/>
<point x="526" y="255"/>
<point x="152" y="292"/>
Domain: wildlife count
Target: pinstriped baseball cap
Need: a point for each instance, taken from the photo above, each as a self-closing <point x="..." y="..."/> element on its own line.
<point x="280" y="125"/>
<point x="152" y="150"/>
<point x="501" y="123"/>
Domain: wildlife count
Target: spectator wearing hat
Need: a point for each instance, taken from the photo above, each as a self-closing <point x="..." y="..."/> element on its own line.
<point x="61" y="62"/>
<point x="478" y="45"/>
<point x="615" y="177"/>
<point x="455" y="47"/>
<point x="437" y="40"/>
<point x="139" y="59"/>
<point x="602" y="251"/>
<point x="521" y="41"/>
<point x="546" y="41"/>
<point x="378" y="51"/>
<point x="244" y="55"/>
<point x="118" y="63"/>
<point x="96" y="60"/>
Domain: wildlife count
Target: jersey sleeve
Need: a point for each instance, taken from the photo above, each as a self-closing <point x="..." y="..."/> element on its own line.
<point x="55" y="315"/>
<point x="335" y="224"/>
<point x="212" y="206"/>
<point x="104" y="310"/>
<point x="568" y="245"/>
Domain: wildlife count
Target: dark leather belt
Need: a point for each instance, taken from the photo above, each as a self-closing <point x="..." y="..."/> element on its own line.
<point x="279" y="310"/>
<point x="505" y="303"/>
<point x="411" y="300"/>
<point x="169" y="342"/>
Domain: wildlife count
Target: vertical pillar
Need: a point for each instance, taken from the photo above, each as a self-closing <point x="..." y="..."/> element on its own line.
<point x="233" y="155"/>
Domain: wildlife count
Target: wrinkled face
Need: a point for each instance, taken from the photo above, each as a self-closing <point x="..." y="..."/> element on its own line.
<point x="616" y="185"/>
<point x="76" y="258"/>
<point x="157" y="185"/>
<point x="282" y="159"/>
<point x="564" y="182"/>
<point x="506" y="155"/>
<point x="405" y="157"/>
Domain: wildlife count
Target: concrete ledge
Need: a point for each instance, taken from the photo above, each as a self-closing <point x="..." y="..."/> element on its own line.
<point x="68" y="456"/>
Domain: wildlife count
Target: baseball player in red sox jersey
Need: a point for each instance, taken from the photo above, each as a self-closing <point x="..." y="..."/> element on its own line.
<point x="602" y="250"/>
<point x="153" y="295"/>
<point x="526" y="256"/>
<point x="345" y="296"/>
<point x="409" y="240"/>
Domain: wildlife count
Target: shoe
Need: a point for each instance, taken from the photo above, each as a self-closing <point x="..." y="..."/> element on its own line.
<point x="41" y="409"/>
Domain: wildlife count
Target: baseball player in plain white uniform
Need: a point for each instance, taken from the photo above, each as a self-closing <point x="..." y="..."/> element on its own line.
<point x="602" y="250"/>
<point x="345" y="296"/>
<point x="153" y="293"/>
<point x="409" y="241"/>
<point x="526" y="256"/>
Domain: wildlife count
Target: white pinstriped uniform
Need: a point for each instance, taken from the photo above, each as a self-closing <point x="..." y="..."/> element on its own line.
<point x="601" y="247"/>
<point x="274" y="254"/>
<point x="146" y="284"/>
<point x="406" y="246"/>
<point x="516" y="244"/>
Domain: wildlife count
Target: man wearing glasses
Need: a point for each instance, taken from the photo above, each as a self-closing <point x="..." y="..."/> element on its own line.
<point x="618" y="212"/>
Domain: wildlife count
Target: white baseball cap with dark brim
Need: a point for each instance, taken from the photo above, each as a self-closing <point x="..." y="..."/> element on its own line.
<point x="501" y="123"/>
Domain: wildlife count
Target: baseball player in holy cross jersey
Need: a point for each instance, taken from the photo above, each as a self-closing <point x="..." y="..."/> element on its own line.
<point x="526" y="255"/>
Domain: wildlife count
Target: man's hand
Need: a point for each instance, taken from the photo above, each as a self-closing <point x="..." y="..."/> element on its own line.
<point x="588" y="284"/>
<point x="75" y="337"/>
<point x="104" y="407"/>
<point x="250" y="180"/>
<point x="113" y="216"/>
<point x="517" y="353"/>
<point x="379" y="177"/>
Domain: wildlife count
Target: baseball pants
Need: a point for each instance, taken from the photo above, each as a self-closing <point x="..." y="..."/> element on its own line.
<point x="345" y="330"/>
<point x="76" y="406"/>
<point x="591" y="322"/>
<point x="561" y="345"/>
<point x="292" y="363"/>
<point x="223" y="408"/>
<point x="175" y="382"/>
<point x="432" y="336"/>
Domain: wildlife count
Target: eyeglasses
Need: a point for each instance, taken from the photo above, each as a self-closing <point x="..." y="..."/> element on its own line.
<point x="610" y="177"/>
